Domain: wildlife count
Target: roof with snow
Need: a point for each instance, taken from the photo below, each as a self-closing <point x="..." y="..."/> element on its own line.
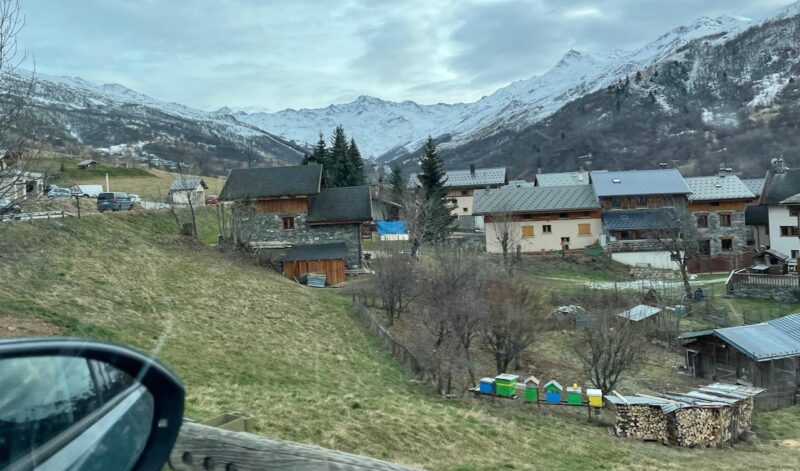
<point x="536" y="199"/>
<point x="778" y="338"/>
<point x="562" y="179"/>
<point x="667" y="181"/>
<point x="716" y="187"/>
<point x="640" y="312"/>
<point x="467" y="179"/>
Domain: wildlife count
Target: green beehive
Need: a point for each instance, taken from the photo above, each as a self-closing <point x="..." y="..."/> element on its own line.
<point x="574" y="395"/>
<point x="531" y="389"/>
<point x="506" y="385"/>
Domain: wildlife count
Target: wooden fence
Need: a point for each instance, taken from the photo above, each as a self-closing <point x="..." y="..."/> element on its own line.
<point x="773" y="400"/>
<point x="757" y="279"/>
<point x="399" y="351"/>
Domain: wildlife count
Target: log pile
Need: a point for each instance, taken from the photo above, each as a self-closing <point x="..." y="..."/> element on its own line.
<point x="699" y="426"/>
<point x="744" y="416"/>
<point x="642" y="422"/>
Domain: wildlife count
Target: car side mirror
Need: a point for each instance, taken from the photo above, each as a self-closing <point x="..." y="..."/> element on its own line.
<point x="79" y="404"/>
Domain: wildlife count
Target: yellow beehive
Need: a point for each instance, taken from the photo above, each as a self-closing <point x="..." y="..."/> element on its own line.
<point x="595" y="397"/>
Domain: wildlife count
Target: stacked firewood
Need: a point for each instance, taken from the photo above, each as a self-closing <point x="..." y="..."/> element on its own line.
<point x="744" y="416"/>
<point x="642" y="422"/>
<point x="696" y="426"/>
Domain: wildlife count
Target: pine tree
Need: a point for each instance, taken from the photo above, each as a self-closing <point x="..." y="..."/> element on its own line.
<point x="338" y="170"/>
<point x="320" y="157"/>
<point x="432" y="178"/>
<point x="355" y="165"/>
<point x="399" y="184"/>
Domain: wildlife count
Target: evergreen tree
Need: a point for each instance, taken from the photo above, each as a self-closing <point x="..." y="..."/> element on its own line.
<point x="432" y="177"/>
<point x="399" y="184"/>
<point x="306" y="159"/>
<point x="338" y="169"/>
<point x="355" y="166"/>
<point x="320" y="157"/>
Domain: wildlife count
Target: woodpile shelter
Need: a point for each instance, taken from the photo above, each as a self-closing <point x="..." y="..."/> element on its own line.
<point x="765" y="355"/>
<point x="706" y="416"/>
<point x="329" y="259"/>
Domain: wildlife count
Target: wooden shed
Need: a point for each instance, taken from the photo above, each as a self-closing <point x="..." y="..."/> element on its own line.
<point x="316" y="258"/>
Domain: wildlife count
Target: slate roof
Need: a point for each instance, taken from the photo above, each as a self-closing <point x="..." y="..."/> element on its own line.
<point x="756" y="215"/>
<point x="780" y="185"/>
<point x="792" y="199"/>
<point x="715" y="187"/>
<point x="463" y="178"/>
<point x="666" y="181"/>
<point x="188" y="184"/>
<point x="640" y="312"/>
<point x="562" y="179"/>
<point x="754" y="184"/>
<point x="347" y="204"/>
<point x="332" y="251"/>
<point x="639" y="219"/>
<point x="778" y="338"/>
<point x="536" y="199"/>
<point x="272" y="182"/>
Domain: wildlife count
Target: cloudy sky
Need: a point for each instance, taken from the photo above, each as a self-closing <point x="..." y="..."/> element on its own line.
<point x="275" y="54"/>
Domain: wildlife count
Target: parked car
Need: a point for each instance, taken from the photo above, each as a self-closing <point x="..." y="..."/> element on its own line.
<point x="8" y="207"/>
<point x="114" y="201"/>
<point x="136" y="199"/>
<point x="58" y="193"/>
<point x="91" y="191"/>
<point x="211" y="199"/>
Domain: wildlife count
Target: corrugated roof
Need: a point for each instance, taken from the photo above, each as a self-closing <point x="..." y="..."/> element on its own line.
<point x="344" y="204"/>
<point x="754" y="185"/>
<point x="666" y="181"/>
<point x="778" y="338"/>
<point x="715" y="187"/>
<point x="792" y="199"/>
<point x="187" y="184"/>
<point x="464" y="178"/>
<point x="562" y="179"/>
<point x="272" y="182"/>
<point x="640" y="312"/>
<point x="536" y="199"/>
<point x="780" y="185"/>
<point x="639" y="219"/>
<point x="756" y="215"/>
<point x="332" y="251"/>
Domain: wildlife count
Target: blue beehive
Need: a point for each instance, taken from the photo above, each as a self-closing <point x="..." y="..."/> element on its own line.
<point x="552" y="392"/>
<point x="487" y="386"/>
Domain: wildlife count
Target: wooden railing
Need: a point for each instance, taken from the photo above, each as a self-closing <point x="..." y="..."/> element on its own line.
<point x="203" y="447"/>
<point x="643" y="245"/>
<point x="758" y="279"/>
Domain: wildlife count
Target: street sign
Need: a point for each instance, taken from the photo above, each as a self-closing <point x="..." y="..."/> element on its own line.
<point x="76" y="191"/>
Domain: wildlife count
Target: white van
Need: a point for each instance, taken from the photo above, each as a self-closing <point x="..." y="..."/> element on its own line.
<point x="91" y="191"/>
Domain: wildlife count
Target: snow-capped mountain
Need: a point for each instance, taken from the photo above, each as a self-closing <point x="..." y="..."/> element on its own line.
<point x="387" y="129"/>
<point x="112" y="118"/>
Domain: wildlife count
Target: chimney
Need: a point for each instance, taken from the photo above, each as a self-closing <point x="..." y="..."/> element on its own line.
<point x="777" y="165"/>
<point x="472" y="170"/>
<point x="721" y="173"/>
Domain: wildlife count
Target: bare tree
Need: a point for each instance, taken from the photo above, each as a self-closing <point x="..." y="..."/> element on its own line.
<point x="421" y="217"/>
<point x="507" y="231"/>
<point x="191" y="196"/>
<point x="395" y="282"/>
<point x="609" y="348"/>
<point x="516" y="314"/>
<point x="678" y="238"/>
<point x="16" y="89"/>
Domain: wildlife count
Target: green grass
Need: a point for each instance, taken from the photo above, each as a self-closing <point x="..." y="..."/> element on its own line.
<point x="245" y="339"/>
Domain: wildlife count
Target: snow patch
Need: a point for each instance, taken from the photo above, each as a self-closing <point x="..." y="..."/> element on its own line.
<point x="768" y="89"/>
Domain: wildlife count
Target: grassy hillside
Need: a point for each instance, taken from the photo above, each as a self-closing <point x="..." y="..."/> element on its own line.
<point x="244" y="339"/>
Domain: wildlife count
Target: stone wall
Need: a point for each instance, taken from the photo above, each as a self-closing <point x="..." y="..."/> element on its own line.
<point x="255" y="228"/>
<point x="784" y="294"/>
<point x="714" y="232"/>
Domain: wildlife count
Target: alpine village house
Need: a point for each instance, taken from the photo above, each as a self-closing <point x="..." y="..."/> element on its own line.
<point x="286" y="214"/>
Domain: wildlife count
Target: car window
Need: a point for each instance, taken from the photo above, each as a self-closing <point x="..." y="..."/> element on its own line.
<point x="52" y="395"/>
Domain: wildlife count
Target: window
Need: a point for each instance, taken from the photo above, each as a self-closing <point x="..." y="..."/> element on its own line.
<point x="288" y="222"/>
<point x="641" y="201"/>
<point x="795" y="253"/>
<point x="788" y="231"/>
<point x="666" y="201"/>
<point x="547" y="229"/>
<point x="715" y="203"/>
<point x="527" y="231"/>
<point x="616" y="202"/>
<point x="563" y="215"/>
<point x="527" y="217"/>
<point x="704" y="246"/>
<point x="702" y="220"/>
<point x="464" y="193"/>
<point x="585" y="214"/>
<point x="565" y="240"/>
<point x="584" y="229"/>
<point x="727" y="245"/>
<point x="465" y="210"/>
<point x="725" y="220"/>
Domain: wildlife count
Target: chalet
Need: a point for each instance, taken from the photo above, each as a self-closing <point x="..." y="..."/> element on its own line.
<point x="461" y="186"/>
<point x="540" y="219"/>
<point x="717" y="205"/>
<point x="780" y="184"/>
<point x="277" y="208"/>
<point x="87" y="163"/>
<point x="765" y="355"/>
<point x="184" y="189"/>
<point x="793" y="204"/>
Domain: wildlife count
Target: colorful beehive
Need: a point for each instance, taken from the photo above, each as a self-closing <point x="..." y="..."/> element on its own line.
<point x="505" y="384"/>
<point x="552" y="392"/>
<point x="531" y="389"/>
<point x="574" y="395"/>
<point x="486" y="386"/>
<point x="595" y="397"/>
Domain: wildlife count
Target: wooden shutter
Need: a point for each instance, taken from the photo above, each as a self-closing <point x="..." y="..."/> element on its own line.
<point x="584" y="229"/>
<point x="527" y="231"/>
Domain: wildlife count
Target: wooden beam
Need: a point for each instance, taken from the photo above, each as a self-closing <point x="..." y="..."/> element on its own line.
<point x="203" y="447"/>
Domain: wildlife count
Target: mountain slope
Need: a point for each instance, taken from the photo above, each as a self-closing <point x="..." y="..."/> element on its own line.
<point x="385" y="129"/>
<point x="68" y="111"/>
<point x="732" y="100"/>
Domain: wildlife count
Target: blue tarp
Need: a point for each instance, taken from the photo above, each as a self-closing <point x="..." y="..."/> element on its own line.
<point x="392" y="227"/>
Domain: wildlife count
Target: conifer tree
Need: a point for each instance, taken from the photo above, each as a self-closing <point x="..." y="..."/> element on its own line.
<point x="320" y="157"/>
<point x="338" y="168"/>
<point x="355" y="166"/>
<point x="432" y="178"/>
<point x="399" y="184"/>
